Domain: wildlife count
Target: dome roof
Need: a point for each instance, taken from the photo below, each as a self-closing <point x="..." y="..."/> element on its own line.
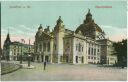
<point x="87" y="27"/>
<point x="98" y="28"/>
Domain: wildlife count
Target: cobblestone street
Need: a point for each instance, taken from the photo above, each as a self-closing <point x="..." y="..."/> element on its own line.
<point x="67" y="72"/>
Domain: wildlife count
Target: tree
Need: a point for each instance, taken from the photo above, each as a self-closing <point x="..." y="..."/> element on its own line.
<point x="121" y="52"/>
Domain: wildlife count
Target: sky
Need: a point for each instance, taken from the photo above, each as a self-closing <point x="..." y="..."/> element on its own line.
<point x="23" y="18"/>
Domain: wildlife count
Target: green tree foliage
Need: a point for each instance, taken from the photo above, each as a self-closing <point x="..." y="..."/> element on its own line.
<point x="121" y="52"/>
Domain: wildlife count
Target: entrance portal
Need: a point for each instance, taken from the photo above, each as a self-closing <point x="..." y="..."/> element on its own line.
<point x="42" y="58"/>
<point x="67" y="59"/>
<point x="46" y="58"/>
<point x="82" y="59"/>
<point x="76" y="59"/>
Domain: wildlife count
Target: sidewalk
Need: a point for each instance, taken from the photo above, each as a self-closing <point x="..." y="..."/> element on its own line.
<point x="66" y="72"/>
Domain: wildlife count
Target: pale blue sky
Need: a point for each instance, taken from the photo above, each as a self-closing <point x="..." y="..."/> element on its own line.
<point x="25" y="21"/>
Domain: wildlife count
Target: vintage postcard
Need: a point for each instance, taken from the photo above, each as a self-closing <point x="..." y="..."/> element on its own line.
<point x="63" y="41"/>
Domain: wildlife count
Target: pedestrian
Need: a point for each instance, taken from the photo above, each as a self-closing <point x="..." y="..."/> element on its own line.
<point x="44" y="65"/>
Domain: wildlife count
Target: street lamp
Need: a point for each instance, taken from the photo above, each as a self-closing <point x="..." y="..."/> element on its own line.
<point x="29" y="60"/>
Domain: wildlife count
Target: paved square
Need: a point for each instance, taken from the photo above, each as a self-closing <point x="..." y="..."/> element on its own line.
<point x="66" y="72"/>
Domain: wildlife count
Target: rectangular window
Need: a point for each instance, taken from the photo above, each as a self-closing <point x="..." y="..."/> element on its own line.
<point x="98" y="50"/>
<point x="89" y="51"/>
<point x="79" y="47"/>
<point x="18" y="49"/>
<point x="92" y="52"/>
<point x="88" y="57"/>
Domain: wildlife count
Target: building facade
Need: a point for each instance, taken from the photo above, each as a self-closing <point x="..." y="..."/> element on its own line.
<point x="87" y="44"/>
<point x="107" y="49"/>
<point x="14" y="50"/>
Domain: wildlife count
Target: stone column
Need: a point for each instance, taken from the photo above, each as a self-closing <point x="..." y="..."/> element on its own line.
<point x="46" y="47"/>
<point x="86" y="57"/>
<point x="58" y="59"/>
<point x="74" y="51"/>
<point x="42" y="52"/>
<point x="51" y="50"/>
<point x="42" y="47"/>
<point x="40" y="60"/>
<point x="46" y="52"/>
<point x="43" y="58"/>
<point x="84" y="52"/>
<point x="96" y="55"/>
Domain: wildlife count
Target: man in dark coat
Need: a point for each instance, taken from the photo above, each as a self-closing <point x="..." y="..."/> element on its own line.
<point x="44" y="65"/>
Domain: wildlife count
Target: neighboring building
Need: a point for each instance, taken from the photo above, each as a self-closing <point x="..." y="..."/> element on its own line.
<point x="6" y="47"/>
<point x="14" y="50"/>
<point x="85" y="45"/>
<point x="107" y="49"/>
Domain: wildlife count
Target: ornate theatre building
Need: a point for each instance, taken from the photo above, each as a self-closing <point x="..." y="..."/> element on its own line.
<point x="87" y="44"/>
